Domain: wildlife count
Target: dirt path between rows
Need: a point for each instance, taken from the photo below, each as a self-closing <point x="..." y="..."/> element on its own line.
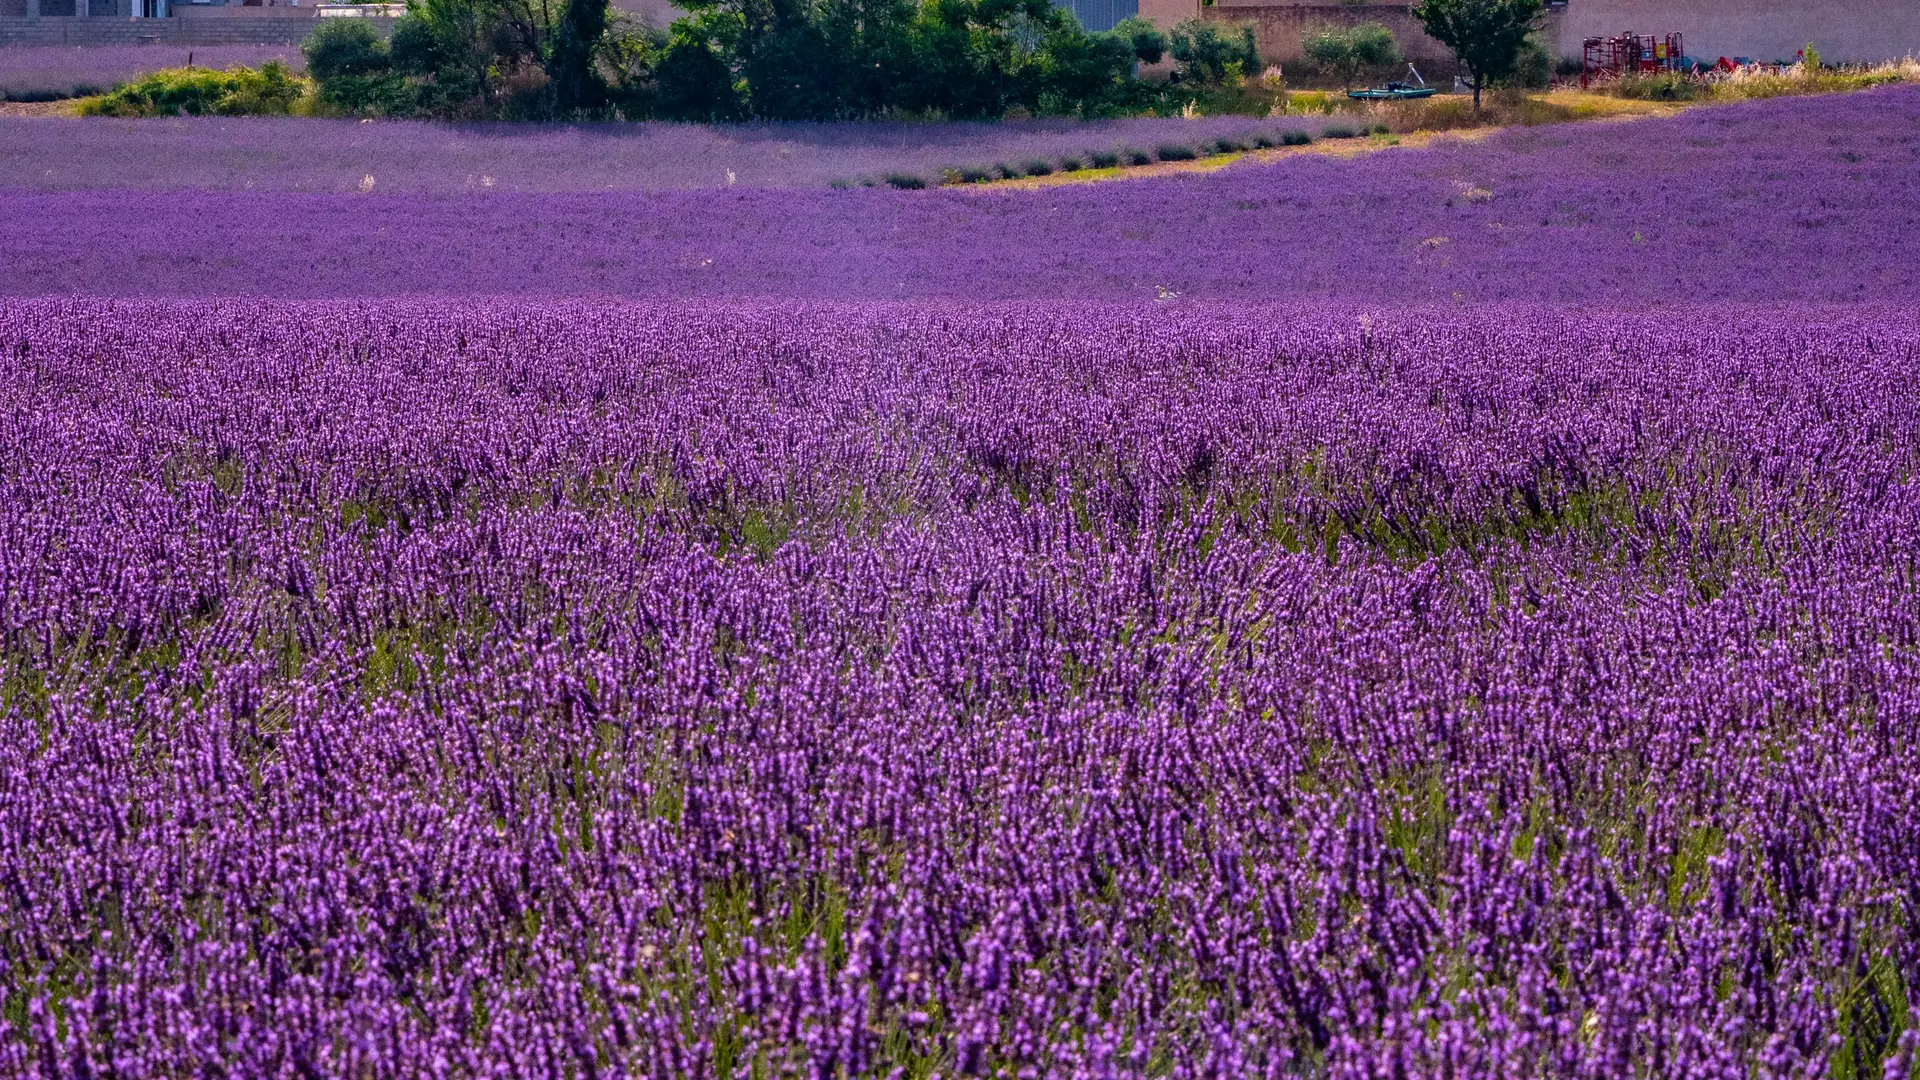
<point x="36" y="108"/>
<point x="1345" y="148"/>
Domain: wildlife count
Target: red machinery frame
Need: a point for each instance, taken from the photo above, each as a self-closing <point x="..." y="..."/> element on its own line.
<point x="1616" y="56"/>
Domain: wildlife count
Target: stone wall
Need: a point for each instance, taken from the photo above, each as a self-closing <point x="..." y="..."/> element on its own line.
<point x="53" y="30"/>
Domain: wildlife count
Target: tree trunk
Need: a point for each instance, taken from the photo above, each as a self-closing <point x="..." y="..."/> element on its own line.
<point x="1476" y="93"/>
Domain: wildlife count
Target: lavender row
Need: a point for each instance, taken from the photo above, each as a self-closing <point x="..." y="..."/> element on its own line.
<point x="428" y="689"/>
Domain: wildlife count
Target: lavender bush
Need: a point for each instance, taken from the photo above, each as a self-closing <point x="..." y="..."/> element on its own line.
<point x="1793" y="198"/>
<point x="33" y="70"/>
<point x="569" y="689"/>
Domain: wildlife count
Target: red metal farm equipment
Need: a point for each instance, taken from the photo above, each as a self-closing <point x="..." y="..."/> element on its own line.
<point x="1634" y="53"/>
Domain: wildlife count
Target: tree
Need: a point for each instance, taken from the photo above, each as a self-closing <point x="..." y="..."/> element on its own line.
<point x="1345" y="51"/>
<point x="577" y="85"/>
<point x="1485" y="35"/>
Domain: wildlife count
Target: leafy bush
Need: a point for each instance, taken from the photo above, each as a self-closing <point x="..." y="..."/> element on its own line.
<point x="1532" y="68"/>
<point x="1337" y="131"/>
<point x="1209" y="53"/>
<point x="1664" y="86"/>
<point x="1038" y="167"/>
<point x="975" y="176"/>
<point x="1176" y="152"/>
<point x="1228" y="146"/>
<point x="345" y="47"/>
<point x="1139" y="157"/>
<point x="1104" y="159"/>
<point x="195" y="91"/>
<point x="905" y="181"/>
<point x="1295" y="138"/>
<point x="1263" y="142"/>
<point x="1346" y="51"/>
<point x="1071" y="164"/>
<point x="1008" y="172"/>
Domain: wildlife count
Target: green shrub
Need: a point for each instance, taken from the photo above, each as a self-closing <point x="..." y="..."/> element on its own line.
<point x="1346" y="51"/>
<point x="905" y="181"/>
<point x="1228" y="146"/>
<point x="975" y="176"/>
<point x="344" y="47"/>
<point x="1264" y="142"/>
<point x="1337" y="131"/>
<point x="1071" y="164"/>
<point x="1008" y="172"/>
<point x="1665" y="86"/>
<point x="1037" y="167"/>
<point x="1176" y="152"/>
<point x="1208" y="52"/>
<point x="1295" y="138"/>
<point x="1532" y="68"/>
<point x="197" y="91"/>
<point x="1104" y="159"/>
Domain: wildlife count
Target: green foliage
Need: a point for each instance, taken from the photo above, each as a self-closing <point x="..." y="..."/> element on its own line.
<point x="1148" y="43"/>
<point x="693" y="83"/>
<point x="479" y="59"/>
<point x="905" y="181"/>
<point x="1346" y="51"/>
<point x="345" y="48"/>
<point x="197" y="91"/>
<point x="1176" y="152"/>
<point x="1663" y="86"/>
<point x="1210" y="53"/>
<point x="732" y="60"/>
<point x="1532" y="67"/>
<point x="1295" y="138"/>
<point x="1485" y="35"/>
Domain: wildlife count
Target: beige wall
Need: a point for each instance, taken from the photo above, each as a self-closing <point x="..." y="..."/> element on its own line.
<point x="1845" y="31"/>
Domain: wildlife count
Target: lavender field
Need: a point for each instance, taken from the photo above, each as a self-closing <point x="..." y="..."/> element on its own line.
<point x="1813" y="199"/>
<point x="456" y="636"/>
<point x="418" y="158"/>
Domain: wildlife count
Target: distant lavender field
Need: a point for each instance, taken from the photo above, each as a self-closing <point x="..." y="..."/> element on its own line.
<point x="61" y="69"/>
<point x="1796" y="198"/>
<point x="276" y="154"/>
